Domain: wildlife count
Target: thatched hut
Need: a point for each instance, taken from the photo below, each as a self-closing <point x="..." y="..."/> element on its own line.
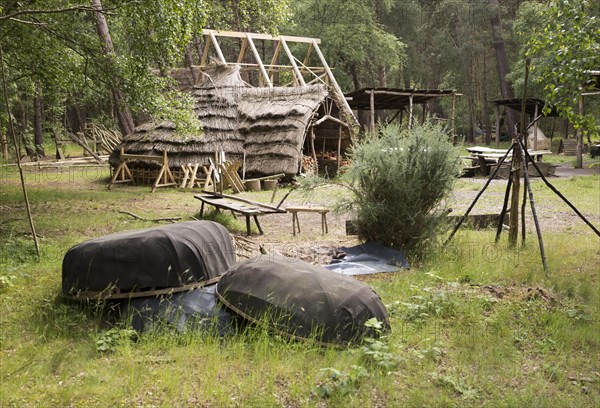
<point x="271" y="127"/>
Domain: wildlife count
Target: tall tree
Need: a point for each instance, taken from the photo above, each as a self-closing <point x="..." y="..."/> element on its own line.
<point x="565" y="51"/>
<point x="502" y="63"/>
<point x="122" y="108"/>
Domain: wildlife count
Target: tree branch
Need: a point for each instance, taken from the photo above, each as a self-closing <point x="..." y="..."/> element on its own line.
<point x="17" y="20"/>
<point x="48" y="11"/>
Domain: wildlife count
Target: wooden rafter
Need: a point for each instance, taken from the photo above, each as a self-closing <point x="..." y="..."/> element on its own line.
<point x="333" y="82"/>
<point x="322" y="73"/>
<point x="217" y="47"/>
<point x="263" y="71"/>
<point x="295" y="69"/>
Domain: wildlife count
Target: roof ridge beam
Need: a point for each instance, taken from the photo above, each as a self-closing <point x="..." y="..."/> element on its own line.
<point x="257" y="36"/>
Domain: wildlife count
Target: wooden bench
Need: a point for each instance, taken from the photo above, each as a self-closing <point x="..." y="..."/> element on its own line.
<point x="296" y="222"/>
<point x="247" y="208"/>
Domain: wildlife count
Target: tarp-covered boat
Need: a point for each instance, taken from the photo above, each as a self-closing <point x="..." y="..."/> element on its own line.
<point x="301" y="300"/>
<point x="175" y="257"/>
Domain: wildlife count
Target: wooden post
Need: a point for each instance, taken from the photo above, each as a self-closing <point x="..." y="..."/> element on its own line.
<point x="312" y="147"/>
<point x="410" y="111"/>
<point x="513" y="232"/>
<point x="454" y="117"/>
<point x="497" y="126"/>
<point x="535" y="128"/>
<point x="339" y="149"/>
<point x="372" y="100"/>
<point x="580" y="137"/>
<point x="424" y="106"/>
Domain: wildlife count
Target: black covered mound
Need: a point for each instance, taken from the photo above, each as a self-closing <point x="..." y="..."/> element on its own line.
<point x="172" y="256"/>
<point x="301" y="300"/>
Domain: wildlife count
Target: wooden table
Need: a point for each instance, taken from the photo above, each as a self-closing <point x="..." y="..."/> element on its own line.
<point x="247" y="208"/>
<point x="295" y="222"/>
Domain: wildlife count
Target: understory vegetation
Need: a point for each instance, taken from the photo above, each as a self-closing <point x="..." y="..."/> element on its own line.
<point x="475" y="324"/>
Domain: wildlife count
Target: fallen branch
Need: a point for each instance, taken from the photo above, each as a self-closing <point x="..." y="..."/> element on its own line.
<point x="137" y="217"/>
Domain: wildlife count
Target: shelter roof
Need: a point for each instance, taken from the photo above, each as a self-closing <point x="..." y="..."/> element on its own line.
<point x="393" y="98"/>
<point x="530" y="104"/>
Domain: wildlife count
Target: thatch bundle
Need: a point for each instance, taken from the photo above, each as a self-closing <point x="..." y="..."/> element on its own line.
<point x="268" y="124"/>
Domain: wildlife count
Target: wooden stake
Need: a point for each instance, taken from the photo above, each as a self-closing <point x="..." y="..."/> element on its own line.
<point x="14" y="138"/>
<point x="523" y="149"/>
<point x="558" y="193"/>
<point x="504" y="208"/>
<point x="372" y="106"/>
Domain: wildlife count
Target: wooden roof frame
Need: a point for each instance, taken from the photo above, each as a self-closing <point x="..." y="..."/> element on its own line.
<point x="298" y="67"/>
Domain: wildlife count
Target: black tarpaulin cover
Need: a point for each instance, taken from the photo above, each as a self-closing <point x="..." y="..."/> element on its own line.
<point x="165" y="257"/>
<point x="301" y="300"/>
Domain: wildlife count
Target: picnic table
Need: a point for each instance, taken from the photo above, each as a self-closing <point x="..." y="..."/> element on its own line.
<point x="486" y="157"/>
<point x="245" y="207"/>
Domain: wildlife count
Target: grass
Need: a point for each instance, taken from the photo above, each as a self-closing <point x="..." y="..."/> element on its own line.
<point x="476" y="324"/>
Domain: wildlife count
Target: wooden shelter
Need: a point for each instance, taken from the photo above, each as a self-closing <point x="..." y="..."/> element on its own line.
<point x="533" y="107"/>
<point x="246" y="113"/>
<point x="400" y="100"/>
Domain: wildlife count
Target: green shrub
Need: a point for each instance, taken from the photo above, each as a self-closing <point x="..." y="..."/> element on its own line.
<point x="399" y="180"/>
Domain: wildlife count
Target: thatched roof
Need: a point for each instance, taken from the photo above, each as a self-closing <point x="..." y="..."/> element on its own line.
<point x="268" y="124"/>
<point x="274" y="122"/>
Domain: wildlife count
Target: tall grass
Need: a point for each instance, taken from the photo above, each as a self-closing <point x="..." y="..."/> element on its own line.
<point x="475" y="324"/>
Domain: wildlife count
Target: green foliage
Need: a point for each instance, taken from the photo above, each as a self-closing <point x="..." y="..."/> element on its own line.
<point x="437" y="304"/>
<point x="563" y="52"/>
<point x="353" y="39"/>
<point x="376" y="351"/>
<point x="399" y="180"/>
<point x="108" y="341"/>
<point x="455" y="385"/>
<point x="339" y="383"/>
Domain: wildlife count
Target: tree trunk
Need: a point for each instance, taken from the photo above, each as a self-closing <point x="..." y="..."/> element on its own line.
<point x="122" y="109"/>
<point x="189" y="62"/>
<point x="4" y="147"/>
<point x="502" y="63"/>
<point x="38" y="132"/>
<point x="471" y="103"/>
<point x="487" y="127"/>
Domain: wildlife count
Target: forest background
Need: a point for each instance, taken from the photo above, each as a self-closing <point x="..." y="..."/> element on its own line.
<point x="71" y="63"/>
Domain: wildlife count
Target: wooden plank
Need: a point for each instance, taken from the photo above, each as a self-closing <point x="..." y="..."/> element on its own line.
<point x="245" y="200"/>
<point x="256" y="36"/>
<point x="307" y="209"/>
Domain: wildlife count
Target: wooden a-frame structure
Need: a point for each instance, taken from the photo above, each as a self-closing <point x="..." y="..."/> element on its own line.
<point x="302" y="73"/>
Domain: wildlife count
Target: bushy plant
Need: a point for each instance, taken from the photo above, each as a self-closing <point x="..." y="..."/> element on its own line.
<point x="399" y="180"/>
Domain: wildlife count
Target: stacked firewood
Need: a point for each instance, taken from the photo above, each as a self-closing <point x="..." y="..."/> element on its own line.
<point x="309" y="166"/>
